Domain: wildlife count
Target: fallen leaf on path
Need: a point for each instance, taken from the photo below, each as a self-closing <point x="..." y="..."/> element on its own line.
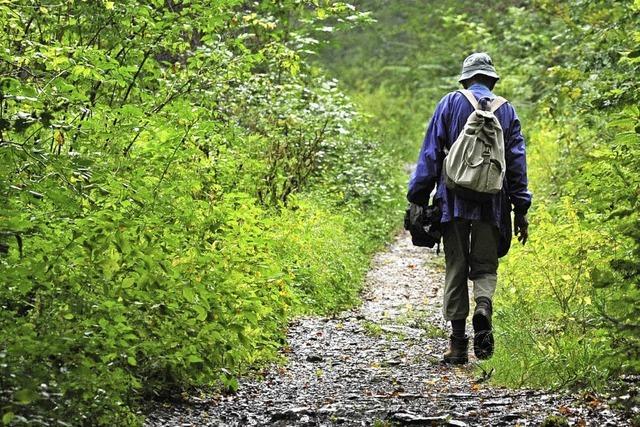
<point x="592" y="400"/>
<point x="564" y="410"/>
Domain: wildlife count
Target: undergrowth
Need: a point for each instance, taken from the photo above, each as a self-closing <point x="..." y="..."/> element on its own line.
<point x="176" y="182"/>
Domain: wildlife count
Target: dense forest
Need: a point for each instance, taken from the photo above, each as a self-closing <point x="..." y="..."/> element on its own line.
<point x="179" y="179"/>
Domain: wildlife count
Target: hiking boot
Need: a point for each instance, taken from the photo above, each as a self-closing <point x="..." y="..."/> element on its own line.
<point x="457" y="353"/>
<point x="483" y="333"/>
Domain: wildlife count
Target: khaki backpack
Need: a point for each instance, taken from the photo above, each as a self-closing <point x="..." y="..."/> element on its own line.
<point x="475" y="166"/>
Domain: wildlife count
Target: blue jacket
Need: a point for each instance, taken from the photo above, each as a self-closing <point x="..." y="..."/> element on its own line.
<point x="446" y="124"/>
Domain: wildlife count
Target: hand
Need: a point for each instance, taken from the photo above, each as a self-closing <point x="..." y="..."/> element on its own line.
<point x="521" y="227"/>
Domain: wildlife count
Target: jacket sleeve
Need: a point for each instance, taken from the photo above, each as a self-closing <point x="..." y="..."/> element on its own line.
<point x="516" y="172"/>
<point x="429" y="164"/>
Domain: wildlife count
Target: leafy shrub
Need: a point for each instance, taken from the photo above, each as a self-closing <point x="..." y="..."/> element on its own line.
<point x="584" y="235"/>
<point x="166" y="198"/>
<point x="545" y="317"/>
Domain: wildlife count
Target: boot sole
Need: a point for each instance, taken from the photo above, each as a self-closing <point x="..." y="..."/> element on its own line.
<point x="483" y="337"/>
<point x="455" y="360"/>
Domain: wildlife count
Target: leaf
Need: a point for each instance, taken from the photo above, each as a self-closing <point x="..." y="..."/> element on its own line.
<point x="7" y="418"/>
<point x="25" y="396"/>
<point x="132" y="361"/>
<point x="188" y="294"/>
<point x="128" y="282"/>
<point x="194" y="358"/>
<point x="201" y="311"/>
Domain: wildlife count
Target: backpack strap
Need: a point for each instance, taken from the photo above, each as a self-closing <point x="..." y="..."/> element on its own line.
<point x="497" y="103"/>
<point x="472" y="99"/>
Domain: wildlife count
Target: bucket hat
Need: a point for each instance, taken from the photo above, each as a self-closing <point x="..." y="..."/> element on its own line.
<point x="478" y="63"/>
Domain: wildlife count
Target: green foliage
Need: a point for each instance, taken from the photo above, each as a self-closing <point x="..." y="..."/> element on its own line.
<point x="585" y="236"/>
<point x="545" y="316"/>
<point x="567" y="306"/>
<point x="176" y="181"/>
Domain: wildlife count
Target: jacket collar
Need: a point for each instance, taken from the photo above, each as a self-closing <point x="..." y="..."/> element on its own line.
<point x="481" y="90"/>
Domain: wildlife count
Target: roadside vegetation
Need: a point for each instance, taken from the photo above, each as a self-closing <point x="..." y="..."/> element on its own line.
<point x="176" y="182"/>
<point x="567" y="304"/>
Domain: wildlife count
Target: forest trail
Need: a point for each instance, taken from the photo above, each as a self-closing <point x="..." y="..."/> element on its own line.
<point x="380" y="365"/>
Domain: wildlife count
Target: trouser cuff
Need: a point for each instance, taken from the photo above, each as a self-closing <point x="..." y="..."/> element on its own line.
<point x="485" y="286"/>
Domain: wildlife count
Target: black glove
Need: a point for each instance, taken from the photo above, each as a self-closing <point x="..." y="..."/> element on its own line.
<point x="521" y="227"/>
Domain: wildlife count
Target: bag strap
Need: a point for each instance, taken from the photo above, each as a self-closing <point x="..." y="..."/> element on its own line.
<point x="497" y="103"/>
<point x="472" y="99"/>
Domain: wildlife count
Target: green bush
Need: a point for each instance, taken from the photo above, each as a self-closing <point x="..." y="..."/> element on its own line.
<point x="176" y="181"/>
<point x="581" y="264"/>
<point x="545" y="316"/>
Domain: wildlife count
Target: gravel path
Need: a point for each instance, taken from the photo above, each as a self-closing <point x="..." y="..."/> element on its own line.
<point x="379" y="366"/>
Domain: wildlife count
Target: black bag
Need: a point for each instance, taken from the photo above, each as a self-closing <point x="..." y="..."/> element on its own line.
<point x="423" y="222"/>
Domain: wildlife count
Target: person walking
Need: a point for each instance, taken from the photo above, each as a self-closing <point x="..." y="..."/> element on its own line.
<point x="476" y="231"/>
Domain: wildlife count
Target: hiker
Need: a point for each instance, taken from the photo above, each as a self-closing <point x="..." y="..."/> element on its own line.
<point x="476" y="231"/>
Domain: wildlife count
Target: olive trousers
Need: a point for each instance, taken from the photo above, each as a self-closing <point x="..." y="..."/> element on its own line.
<point x="471" y="253"/>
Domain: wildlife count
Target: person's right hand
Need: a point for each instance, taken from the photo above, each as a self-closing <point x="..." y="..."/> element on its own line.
<point x="521" y="227"/>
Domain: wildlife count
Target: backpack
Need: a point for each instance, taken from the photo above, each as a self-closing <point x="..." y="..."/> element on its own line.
<point x="474" y="167"/>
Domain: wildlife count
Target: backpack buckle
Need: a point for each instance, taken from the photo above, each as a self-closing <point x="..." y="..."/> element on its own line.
<point x="486" y="154"/>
